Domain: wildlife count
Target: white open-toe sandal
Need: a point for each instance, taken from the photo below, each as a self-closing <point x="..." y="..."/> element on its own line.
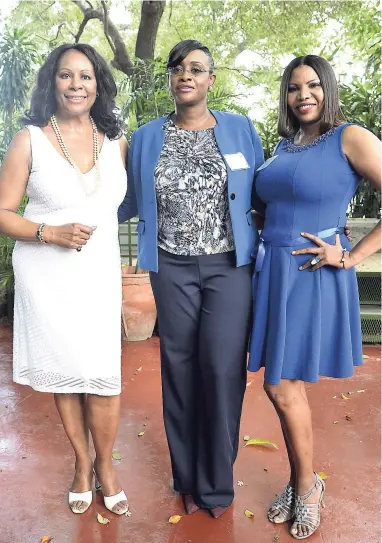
<point x="111" y="501"/>
<point x="85" y="497"/>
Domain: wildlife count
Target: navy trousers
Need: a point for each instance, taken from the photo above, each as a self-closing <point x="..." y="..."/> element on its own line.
<point x="204" y="317"/>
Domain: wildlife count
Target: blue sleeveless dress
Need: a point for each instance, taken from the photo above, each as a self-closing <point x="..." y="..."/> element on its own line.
<point x="306" y="324"/>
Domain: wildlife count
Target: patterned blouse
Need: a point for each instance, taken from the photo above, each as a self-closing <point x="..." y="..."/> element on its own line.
<point x="192" y="195"/>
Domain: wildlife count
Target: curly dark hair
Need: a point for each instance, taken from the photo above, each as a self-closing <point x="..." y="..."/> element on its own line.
<point x="43" y="102"/>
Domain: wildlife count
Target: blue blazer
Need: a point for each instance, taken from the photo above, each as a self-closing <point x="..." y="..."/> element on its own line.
<point x="234" y="134"/>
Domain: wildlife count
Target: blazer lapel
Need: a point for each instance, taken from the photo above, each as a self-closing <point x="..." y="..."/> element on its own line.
<point x="152" y="146"/>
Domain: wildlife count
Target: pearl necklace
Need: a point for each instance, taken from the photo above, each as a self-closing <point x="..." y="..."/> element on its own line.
<point x="80" y="175"/>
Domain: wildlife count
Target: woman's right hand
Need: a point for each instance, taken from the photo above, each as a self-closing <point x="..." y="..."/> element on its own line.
<point x="70" y="236"/>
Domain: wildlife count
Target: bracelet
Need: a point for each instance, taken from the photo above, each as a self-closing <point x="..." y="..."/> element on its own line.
<point x="40" y="233"/>
<point x="344" y="251"/>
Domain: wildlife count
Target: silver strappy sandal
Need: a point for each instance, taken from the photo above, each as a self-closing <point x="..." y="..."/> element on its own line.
<point x="309" y="514"/>
<point x="284" y="505"/>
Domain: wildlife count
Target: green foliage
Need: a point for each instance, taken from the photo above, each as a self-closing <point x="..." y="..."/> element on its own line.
<point x="267" y="131"/>
<point x="17" y="58"/>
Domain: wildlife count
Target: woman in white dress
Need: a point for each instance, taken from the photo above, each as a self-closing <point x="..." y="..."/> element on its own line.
<point x="69" y="161"/>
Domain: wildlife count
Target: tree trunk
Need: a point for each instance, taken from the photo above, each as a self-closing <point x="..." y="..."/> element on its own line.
<point x="151" y="13"/>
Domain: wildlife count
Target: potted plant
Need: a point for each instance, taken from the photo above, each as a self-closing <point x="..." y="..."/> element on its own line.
<point x="138" y="305"/>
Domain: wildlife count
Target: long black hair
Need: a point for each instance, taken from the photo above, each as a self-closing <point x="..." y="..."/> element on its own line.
<point x="43" y="102"/>
<point x="332" y="115"/>
<point x="179" y="52"/>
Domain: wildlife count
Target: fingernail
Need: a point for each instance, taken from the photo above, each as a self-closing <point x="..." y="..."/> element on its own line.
<point x="293" y="252"/>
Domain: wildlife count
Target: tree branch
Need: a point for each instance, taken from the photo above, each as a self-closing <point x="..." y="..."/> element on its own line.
<point x="81" y="29"/>
<point x="121" y="59"/>
<point x="106" y="26"/>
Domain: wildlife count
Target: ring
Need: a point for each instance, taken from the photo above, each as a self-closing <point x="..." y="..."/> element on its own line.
<point x="78" y="249"/>
<point x="315" y="261"/>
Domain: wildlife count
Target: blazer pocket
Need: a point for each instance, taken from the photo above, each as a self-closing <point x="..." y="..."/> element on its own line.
<point x="140" y="227"/>
<point x="249" y="216"/>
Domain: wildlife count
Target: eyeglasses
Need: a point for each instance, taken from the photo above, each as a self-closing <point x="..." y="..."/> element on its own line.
<point x="177" y="71"/>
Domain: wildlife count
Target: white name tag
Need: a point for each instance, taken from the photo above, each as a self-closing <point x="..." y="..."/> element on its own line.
<point x="267" y="162"/>
<point x="236" y="161"/>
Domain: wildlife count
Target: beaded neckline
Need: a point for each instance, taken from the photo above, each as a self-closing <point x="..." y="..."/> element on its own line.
<point x="291" y="147"/>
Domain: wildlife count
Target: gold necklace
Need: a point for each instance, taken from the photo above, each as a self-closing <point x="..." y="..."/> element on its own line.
<point x="64" y="149"/>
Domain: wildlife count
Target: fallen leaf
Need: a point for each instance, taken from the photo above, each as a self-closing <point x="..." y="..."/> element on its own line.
<point x="360" y="390"/>
<point x="240" y="483"/>
<point x="348" y="418"/>
<point x="141" y="434"/>
<point x="102" y="520"/>
<point x="248" y="513"/>
<point x="265" y="469"/>
<point x="344" y="397"/>
<point x="334" y="396"/>
<point x="276" y="538"/>
<point x="46" y="539"/>
<point x="247" y="438"/>
<point x="261" y="442"/>
<point x="335" y="422"/>
<point x="116" y="456"/>
<point x="174" y="519"/>
<point x="365" y="356"/>
<point x="249" y="384"/>
<point x="322" y="475"/>
<point x="350" y="393"/>
<point x="139" y="369"/>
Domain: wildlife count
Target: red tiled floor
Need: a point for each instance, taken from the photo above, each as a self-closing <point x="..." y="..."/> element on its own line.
<point x="36" y="463"/>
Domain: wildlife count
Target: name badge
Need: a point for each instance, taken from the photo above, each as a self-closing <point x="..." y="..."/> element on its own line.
<point x="267" y="162"/>
<point x="236" y="161"/>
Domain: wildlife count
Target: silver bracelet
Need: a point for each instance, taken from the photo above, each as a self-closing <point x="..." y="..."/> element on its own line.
<point x="40" y="233"/>
<point x="344" y="251"/>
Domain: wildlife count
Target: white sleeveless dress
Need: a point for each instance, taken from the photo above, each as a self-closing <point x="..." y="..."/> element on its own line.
<point x="67" y="315"/>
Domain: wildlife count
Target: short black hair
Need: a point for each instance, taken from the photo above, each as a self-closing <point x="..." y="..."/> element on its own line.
<point x="332" y="115"/>
<point x="179" y="52"/>
<point x="43" y="102"/>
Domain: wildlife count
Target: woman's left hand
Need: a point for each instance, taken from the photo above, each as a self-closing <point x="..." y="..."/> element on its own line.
<point x="324" y="255"/>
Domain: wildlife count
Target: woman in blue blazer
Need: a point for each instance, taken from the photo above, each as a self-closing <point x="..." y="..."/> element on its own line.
<point x="190" y="182"/>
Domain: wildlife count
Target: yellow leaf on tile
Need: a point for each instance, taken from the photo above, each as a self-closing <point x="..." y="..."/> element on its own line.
<point x="174" y="519"/>
<point x="116" y="456"/>
<point x="46" y="539"/>
<point x="248" y="513"/>
<point x="262" y="442"/>
<point x="322" y="475"/>
<point x="344" y="397"/>
<point x="141" y="434"/>
<point x="102" y="520"/>
<point x="360" y="390"/>
<point x="365" y="356"/>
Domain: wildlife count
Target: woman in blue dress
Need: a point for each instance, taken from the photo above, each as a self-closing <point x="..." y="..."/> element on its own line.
<point x="307" y="325"/>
